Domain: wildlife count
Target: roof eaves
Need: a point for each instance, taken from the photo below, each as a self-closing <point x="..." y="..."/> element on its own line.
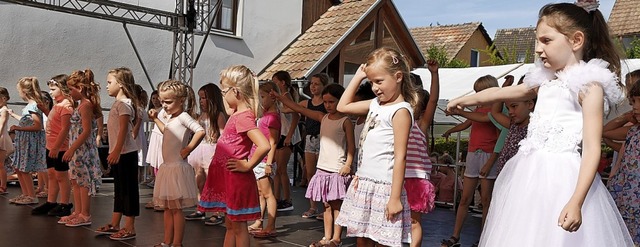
<point x="342" y="38"/>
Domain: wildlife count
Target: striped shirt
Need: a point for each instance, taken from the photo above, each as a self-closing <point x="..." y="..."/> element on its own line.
<point x="418" y="162"/>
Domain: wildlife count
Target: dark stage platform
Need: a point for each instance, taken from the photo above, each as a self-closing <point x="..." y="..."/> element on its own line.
<point x="20" y="229"/>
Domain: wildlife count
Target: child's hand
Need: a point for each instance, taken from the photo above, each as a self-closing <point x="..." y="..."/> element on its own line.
<point x="345" y="170"/>
<point x="236" y="165"/>
<point x="99" y="140"/>
<point x="484" y="171"/>
<point x="53" y="153"/>
<point x="629" y="116"/>
<point x="268" y="170"/>
<point x="184" y="153"/>
<point x="432" y="65"/>
<point x="393" y="208"/>
<point x="14" y="128"/>
<point x="68" y="155"/>
<point x="153" y="114"/>
<point x="571" y="217"/>
<point x="360" y="74"/>
<point x="113" y="158"/>
<point x="275" y="95"/>
<point x="446" y="134"/>
<point x="454" y="105"/>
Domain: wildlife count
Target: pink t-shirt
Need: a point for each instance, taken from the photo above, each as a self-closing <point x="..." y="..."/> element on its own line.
<point x="483" y="135"/>
<point x="54" y="124"/>
<point x="234" y="142"/>
<point x="270" y="120"/>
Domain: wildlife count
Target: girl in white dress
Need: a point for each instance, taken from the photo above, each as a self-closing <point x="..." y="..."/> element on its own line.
<point x="549" y="194"/>
<point x="175" y="186"/>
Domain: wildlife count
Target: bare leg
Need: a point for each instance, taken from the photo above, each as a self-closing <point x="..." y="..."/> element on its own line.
<point x="77" y="199"/>
<point x="178" y="226"/>
<point x="416" y="229"/>
<point x="64" y="187"/>
<point x="26" y="183"/>
<point x="43" y="180"/>
<point x="3" y="172"/>
<point x="53" y="187"/>
<point x="229" y="235"/>
<point x="486" y="189"/>
<point x="129" y="223"/>
<point x="168" y="226"/>
<point x="337" y="229"/>
<point x="265" y="187"/>
<point x="282" y="160"/>
<point x="468" y="189"/>
<point x="85" y="201"/>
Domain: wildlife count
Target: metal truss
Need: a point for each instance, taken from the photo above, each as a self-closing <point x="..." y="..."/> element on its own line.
<point x="193" y="18"/>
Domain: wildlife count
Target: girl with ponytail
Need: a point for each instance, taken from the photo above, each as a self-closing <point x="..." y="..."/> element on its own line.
<point x="231" y="184"/>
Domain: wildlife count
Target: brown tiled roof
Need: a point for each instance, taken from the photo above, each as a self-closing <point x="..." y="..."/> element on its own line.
<point x="319" y="39"/>
<point x="516" y="40"/>
<point x="453" y="37"/>
<point x="625" y="18"/>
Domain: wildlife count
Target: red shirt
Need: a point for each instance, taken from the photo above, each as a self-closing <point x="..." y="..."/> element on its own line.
<point x="483" y="135"/>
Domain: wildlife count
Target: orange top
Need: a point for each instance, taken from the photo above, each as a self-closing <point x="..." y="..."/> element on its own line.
<point x="54" y="124"/>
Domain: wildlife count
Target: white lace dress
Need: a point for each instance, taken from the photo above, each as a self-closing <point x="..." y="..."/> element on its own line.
<point x="538" y="181"/>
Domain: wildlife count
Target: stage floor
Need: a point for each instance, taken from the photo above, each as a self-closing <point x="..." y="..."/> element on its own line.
<point x="20" y="229"/>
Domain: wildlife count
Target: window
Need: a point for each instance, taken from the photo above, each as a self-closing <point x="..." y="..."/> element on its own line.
<point x="226" y="16"/>
<point x="475" y="58"/>
<point x="521" y="57"/>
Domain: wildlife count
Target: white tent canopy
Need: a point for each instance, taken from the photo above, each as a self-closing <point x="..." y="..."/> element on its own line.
<point x="458" y="82"/>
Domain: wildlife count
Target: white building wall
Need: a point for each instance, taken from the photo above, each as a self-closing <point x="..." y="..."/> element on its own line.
<point x="43" y="43"/>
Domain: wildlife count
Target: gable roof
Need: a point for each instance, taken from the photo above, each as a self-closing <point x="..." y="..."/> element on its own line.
<point x="323" y="40"/>
<point x="623" y="19"/>
<point x="453" y="37"/>
<point x="518" y="40"/>
<point x="316" y="41"/>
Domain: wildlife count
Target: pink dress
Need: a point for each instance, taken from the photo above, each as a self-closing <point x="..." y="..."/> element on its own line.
<point x="235" y="193"/>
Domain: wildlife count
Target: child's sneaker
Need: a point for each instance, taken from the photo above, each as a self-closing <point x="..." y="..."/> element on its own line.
<point x="44" y="208"/>
<point x="285" y="206"/>
<point x="79" y="220"/>
<point x="61" y="210"/>
<point x="214" y="221"/>
<point x="195" y="216"/>
<point x="27" y="200"/>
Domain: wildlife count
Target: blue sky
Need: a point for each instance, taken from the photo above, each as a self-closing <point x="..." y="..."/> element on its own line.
<point x="494" y="14"/>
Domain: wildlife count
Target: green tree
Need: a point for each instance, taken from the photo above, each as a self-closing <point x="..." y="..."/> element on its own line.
<point x="439" y="53"/>
<point x="506" y="55"/>
<point x="633" y="49"/>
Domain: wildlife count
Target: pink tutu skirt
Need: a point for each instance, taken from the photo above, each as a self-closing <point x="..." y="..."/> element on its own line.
<point x="327" y="186"/>
<point x="420" y="194"/>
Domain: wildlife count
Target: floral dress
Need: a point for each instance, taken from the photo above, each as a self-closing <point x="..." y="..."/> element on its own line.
<point x="85" y="165"/>
<point x="30" y="145"/>
<point x="625" y="185"/>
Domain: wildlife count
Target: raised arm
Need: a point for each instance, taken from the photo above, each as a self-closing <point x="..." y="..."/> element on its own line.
<point x="490" y="95"/>
<point x="460" y="127"/>
<point x="347" y="103"/>
<point x="315" y="115"/>
<point x="427" y="116"/>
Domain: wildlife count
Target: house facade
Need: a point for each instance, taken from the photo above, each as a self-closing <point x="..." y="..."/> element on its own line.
<point x="44" y="43"/>
<point x="460" y="41"/>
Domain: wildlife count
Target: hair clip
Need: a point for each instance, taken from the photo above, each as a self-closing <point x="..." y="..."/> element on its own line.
<point x="588" y="5"/>
<point x="52" y="82"/>
<point x="394" y="59"/>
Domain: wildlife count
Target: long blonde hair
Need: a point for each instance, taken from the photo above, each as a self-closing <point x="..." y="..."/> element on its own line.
<point x="124" y="76"/>
<point x="30" y="88"/>
<point x="242" y="78"/>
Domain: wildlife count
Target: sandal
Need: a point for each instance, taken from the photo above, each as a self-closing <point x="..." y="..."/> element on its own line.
<point x="451" y="242"/>
<point x="3" y="191"/>
<point x="106" y="229"/>
<point x="312" y="212"/>
<point x="265" y="234"/>
<point x="123" y="234"/>
<point x="333" y="243"/>
<point x="162" y="245"/>
<point x="322" y="243"/>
